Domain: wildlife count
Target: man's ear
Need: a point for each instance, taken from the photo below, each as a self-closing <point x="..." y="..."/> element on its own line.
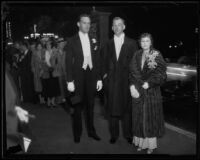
<point x="124" y="27"/>
<point x="78" y="24"/>
<point x="112" y="28"/>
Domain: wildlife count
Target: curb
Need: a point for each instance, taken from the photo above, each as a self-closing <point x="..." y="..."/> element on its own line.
<point x="181" y="131"/>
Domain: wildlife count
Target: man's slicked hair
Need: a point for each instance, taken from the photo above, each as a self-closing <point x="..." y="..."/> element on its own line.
<point x="84" y="15"/>
<point x="119" y="18"/>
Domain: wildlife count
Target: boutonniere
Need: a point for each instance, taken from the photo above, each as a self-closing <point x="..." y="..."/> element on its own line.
<point x="94" y="44"/>
<point x="94" y="40"/>
<point x="151" y="59"/>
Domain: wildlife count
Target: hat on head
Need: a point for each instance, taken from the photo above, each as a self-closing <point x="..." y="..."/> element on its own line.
<point x="60" y="40"/>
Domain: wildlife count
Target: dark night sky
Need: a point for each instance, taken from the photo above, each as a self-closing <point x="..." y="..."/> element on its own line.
<point x="168" y="22"/>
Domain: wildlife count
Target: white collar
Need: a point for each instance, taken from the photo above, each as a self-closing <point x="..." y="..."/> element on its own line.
<point x="81" y="34"/>
<point x="120" y="37"/>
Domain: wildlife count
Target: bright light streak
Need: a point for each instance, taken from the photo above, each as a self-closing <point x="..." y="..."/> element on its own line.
<point x="176" y="74"/>
<point x="182" y="69"/>
<point x="9" y="43"/>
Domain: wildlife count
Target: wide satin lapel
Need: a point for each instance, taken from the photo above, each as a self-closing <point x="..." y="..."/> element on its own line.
<point x="79" y="45"/>
<point x="114" y="56"/>
<point x="90" y="39"/>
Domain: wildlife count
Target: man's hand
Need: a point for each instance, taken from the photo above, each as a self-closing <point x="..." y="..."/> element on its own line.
<point x="22" y="114"/>
<point x="145" y="85"/>
<point x="71" y="87"/>
<point x="134" y="92"/>
<point x="99" y="85"/>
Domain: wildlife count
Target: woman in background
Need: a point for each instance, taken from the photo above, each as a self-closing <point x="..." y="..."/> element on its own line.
<point x="50" y="84"/>
<point x="36" y="68"/>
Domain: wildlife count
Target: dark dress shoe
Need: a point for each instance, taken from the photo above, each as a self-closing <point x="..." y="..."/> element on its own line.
<point x="77" y="139"/>
<point x="113" y="140"/>
<point x="14" y="149"/>
<point x="95" y="136"/>
<point x="129" y="140"/>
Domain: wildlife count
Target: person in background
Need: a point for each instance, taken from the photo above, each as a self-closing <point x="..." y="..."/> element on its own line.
<point x="147" y="74"/>
<point x="12" y="57"/>
<point x="32" y="46"/>
<point x="26" y="74"/>
<point x="56" y="73"/>
<point x="50" y="84"/>
<point x="36" y="69"/>
<point x="14" y="114"/>
<point x="20" y="138"/>
<point x="61" y="67"/>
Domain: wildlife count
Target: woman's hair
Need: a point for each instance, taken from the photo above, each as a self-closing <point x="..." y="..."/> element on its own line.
<point x="25" y="43"/>
<point x="38" y="43"/>
<point x="52" y="43"/>
<point x="143" y="35"/>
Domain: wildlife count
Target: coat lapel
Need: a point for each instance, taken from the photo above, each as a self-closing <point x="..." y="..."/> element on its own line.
<point x="79" y="45"/>
<point x="143" y="70"/>
<point x="91" y="48"/>
<point x="114" y="56"/>
<point x="121" y="53"/>
<point x="139" y="60"/>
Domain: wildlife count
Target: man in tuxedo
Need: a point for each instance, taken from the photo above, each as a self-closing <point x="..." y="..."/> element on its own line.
<point x="83" y="76"/>
<point x="117" y="54"/>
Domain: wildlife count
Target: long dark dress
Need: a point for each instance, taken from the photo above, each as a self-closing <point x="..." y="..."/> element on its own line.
<point x="147" y="111"/>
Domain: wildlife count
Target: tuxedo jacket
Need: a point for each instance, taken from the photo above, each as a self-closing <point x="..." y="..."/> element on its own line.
<point x="74" y="61"/>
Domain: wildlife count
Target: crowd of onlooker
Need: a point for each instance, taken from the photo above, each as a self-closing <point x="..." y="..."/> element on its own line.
<point x="38" y="69"/>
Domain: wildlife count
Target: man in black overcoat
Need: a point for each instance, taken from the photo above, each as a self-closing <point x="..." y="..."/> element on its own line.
<point x="26" y="74"/>
<point x="117" y="54"/>
<point x="83" y="76"/>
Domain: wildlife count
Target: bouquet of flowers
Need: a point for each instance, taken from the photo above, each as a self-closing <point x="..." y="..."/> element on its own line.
<point x="151" y="59"/>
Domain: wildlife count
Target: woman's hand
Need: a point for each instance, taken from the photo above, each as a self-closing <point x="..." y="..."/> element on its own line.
<point x="134" y="92"/>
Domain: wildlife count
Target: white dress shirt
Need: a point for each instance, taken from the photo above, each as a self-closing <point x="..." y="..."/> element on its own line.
<point x="118" y="43"/>
<point x="85" y="42"/>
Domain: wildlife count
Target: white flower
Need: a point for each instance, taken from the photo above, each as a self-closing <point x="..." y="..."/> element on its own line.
<point x="94" y="40"/>
<point x="95" y="48"/>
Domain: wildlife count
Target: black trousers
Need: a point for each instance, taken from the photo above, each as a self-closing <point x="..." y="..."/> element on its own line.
<point x="87" y="92"/>
<point x="126" y="123"/>
<point x="27" y="86"/>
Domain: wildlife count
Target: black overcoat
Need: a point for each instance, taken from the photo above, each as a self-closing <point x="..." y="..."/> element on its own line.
<point x="117" y="71"/>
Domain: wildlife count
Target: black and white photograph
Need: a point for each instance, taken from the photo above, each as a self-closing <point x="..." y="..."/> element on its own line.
<point x="100" y="78"/>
